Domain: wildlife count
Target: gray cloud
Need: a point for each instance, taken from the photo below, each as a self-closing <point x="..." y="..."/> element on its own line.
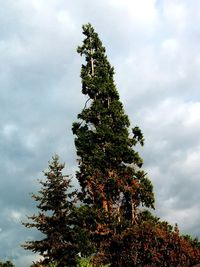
<point x="153" y="46"/>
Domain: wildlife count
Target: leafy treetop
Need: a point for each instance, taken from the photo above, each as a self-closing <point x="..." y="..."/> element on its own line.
<point x="110" y="171"/>
<point x="54" y="219"/>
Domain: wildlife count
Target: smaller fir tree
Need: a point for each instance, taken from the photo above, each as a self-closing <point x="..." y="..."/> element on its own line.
<point x="6" y="264"/>
<point x="54" y="219"/>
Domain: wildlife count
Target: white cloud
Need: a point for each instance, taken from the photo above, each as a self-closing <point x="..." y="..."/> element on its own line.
<point x="15" y="215"/>
<point x="175" y="12"/>
<point x="181" y="216"/>
<point x="9" y="130"/>
<point x="173" y="156"/>
<point x="65" y="20"/>
<point x="192" y="119"/>
<point x="170" y="46"/>
<point x="142" y="13"/>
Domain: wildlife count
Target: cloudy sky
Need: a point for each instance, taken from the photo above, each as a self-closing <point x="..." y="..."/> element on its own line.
<point x="154" y="47"/>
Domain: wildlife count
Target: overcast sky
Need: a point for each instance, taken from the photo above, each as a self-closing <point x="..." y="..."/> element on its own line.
<point x="154" y="48"/>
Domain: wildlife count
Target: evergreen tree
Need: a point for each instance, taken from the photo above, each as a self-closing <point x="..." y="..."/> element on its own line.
<point x="110" y="173"/>
<point x="54" y="220"/>
<point x="6" y="264"/>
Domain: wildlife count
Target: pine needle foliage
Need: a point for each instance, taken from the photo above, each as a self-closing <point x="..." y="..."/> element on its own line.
<point x="110" y="169"/>
<point x="53" y="220"/>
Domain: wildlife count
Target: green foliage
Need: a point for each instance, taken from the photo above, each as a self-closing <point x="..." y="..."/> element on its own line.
<point x="53" y="265"/>
<point x="84" y="218"/>
<point x="86" y="262"/>
<point x="6" y="264"/>
<point x="110" y="173"/>
<point x="54" y="220"/>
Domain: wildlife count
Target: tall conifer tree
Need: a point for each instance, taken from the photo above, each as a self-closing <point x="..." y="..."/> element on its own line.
<point x="110" y="171"/>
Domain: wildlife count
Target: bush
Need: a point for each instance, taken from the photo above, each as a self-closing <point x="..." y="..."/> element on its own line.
<point x="149" y="244"/>
<point x="87" y="262"/>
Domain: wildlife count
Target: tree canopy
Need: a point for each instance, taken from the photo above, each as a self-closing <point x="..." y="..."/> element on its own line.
<point x="54" y="218"/>
<point x="110" y="169"/>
